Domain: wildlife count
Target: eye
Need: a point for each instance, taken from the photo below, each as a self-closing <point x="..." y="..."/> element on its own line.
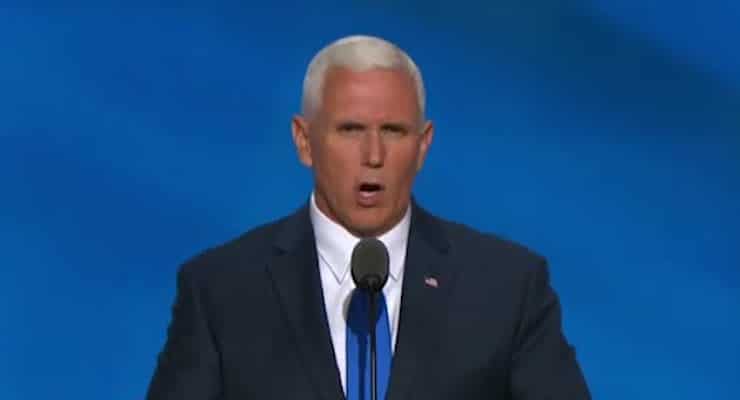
<point x="350" y="127"/>
<point x="395" y="129"/>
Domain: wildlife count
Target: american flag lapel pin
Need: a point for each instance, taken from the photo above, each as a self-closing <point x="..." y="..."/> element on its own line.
<point x="431" y="282"/>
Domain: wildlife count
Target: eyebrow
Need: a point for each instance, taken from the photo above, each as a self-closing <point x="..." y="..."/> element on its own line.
<point x="396" y="126"/>
<point x="350" y="125"/>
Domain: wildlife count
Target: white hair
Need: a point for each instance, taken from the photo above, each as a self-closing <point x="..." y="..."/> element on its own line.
<point x="358" y="53"/>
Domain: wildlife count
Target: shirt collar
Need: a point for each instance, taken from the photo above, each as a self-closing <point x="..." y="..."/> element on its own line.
<point x="335" y="244"/>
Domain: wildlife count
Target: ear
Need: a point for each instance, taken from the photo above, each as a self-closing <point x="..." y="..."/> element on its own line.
<point x="427" y="134"/>
<point x="299" y="126"/>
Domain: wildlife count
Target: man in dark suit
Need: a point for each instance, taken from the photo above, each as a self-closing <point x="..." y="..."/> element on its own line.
<point x="465" y="315"/>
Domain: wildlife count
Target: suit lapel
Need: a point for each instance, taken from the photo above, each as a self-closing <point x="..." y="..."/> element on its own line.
<point x="428" y="279"/>
<point x="295" y="274"/>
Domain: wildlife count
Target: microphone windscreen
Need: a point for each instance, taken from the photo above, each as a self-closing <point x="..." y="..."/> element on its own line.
<point x="370" y="263"/>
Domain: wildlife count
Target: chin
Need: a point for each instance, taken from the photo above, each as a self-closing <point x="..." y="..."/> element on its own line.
<point x="367" y="224"/>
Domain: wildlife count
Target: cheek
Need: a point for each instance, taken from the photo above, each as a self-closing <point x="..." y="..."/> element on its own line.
<point x="403" y="164"/>
<point x="335" y="168"/>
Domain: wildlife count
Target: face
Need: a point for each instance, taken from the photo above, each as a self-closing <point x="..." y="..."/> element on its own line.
<point x="365" y="145"/>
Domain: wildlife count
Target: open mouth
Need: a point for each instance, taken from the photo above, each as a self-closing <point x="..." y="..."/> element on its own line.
<point x="369" y="194"/>
<point x="370" y="188"/>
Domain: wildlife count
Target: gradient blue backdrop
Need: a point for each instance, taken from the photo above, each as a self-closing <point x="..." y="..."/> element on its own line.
<point x="603" y="134"/>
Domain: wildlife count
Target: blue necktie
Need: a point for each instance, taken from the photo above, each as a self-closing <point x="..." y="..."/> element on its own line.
<point x="358" y="347"/>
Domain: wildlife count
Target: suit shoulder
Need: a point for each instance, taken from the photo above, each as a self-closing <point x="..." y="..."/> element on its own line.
<point x="248" y="249"/>
<point x="466" y="239"/>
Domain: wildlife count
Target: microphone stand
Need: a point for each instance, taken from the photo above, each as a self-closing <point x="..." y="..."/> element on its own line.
<point x="373" y="347"/>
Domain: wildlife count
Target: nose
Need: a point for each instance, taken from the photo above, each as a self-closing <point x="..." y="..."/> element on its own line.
<point x="373" y="149"/>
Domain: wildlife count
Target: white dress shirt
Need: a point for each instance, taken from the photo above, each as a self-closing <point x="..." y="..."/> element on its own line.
<point x="334" y="246"/>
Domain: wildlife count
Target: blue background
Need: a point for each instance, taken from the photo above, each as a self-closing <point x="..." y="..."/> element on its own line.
<point x="603" y="134"/>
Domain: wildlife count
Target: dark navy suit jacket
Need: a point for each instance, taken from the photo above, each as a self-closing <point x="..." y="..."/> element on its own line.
<point x="249" y="321"/>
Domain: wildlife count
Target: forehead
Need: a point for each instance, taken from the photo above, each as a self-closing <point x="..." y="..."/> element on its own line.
<point x="373" y="93"/>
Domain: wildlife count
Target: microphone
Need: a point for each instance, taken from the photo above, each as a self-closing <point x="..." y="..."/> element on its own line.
<point x="370" y="265"/>
<point x="370" y="272"/>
